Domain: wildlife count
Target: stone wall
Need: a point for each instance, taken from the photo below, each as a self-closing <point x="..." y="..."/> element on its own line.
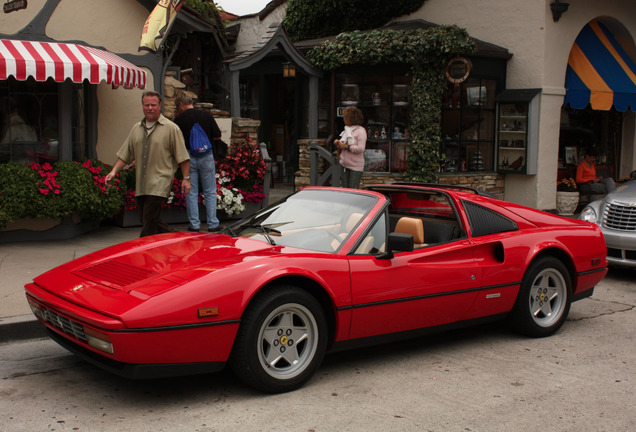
<point x="244" y="129"/>
<point x="489" y="182"/>
<point x="172" y="87"/>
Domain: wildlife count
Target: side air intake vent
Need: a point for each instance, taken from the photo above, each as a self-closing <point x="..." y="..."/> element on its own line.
<point x="484" y="221"/>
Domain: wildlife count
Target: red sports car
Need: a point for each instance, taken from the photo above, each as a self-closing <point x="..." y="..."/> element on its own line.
<point x="325" y="269"/>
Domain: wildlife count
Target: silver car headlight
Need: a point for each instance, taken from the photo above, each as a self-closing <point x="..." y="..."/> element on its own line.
<point x="589" y="214"/>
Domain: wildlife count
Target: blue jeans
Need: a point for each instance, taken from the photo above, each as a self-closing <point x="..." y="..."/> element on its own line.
<point x="203" y="169"/>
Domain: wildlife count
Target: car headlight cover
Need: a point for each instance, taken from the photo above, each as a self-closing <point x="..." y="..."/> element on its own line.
<point x="589" y="214"/>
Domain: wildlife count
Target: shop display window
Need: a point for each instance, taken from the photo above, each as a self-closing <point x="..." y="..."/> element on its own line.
<point x="513" y="137"/>
<point x="468" y="126"/>
<point x="384" y="102"/>
<point x="30" y="124"/>
<point x="517" y="131"/>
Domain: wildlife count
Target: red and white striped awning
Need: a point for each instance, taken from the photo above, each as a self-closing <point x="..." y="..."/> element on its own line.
<point x="61" y="61"/>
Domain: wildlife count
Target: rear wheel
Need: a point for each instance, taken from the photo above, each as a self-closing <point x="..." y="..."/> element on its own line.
<point x="544" y="299"/>
<point x="281" y="341"/>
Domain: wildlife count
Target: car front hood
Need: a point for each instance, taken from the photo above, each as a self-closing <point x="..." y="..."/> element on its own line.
<point x="143" y="268"/>
<point x="624" y="194"/>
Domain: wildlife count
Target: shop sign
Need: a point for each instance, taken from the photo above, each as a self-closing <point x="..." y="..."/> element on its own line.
<point x="14" y="5"/>
<point x="458" y="70"/>
<point x="339" y="111"/>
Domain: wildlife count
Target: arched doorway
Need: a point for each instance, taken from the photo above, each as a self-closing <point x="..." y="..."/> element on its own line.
<point x="600" y="87"/>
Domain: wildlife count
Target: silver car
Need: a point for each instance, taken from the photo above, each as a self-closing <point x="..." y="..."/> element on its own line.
<point x="616" y="215"/>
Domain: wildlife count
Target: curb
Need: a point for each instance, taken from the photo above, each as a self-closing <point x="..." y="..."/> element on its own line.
<point x="19" y="328"/>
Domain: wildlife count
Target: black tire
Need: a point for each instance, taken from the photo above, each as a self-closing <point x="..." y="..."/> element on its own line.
<point x="281" y="340"/>
<point x="544" y="299"/>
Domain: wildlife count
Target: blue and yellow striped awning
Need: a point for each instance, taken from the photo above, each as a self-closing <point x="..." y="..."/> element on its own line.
<point x="599" y="72"/>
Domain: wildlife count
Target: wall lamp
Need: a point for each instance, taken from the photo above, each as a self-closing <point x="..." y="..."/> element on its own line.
<point x="289" y="70"/>
<point x="558" y="9"/>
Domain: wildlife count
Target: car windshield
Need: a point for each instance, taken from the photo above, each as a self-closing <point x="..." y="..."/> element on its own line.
<point x="313" y="219"/>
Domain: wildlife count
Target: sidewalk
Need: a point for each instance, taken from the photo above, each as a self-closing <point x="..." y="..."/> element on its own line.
<point x="20" y="262"/>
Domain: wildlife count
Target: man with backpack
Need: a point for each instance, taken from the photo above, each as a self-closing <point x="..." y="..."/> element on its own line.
<point x="199" y="131"/>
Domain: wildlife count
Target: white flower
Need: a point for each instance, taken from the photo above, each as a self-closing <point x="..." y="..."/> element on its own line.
<point x="230" y="201"/>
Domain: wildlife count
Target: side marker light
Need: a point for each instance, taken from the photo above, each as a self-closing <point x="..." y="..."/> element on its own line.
<point x="208" y="312"/>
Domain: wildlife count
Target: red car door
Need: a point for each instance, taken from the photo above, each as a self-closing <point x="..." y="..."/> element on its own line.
<point x="426" y="287"/>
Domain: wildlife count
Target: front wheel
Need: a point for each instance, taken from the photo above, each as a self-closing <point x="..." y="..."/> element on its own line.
<point x="544" y="299"/>
<point x="281" y="341"/>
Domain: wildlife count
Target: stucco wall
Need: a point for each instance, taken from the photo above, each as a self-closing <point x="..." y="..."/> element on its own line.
<point x="119" y="109"/>
<point x="253" y="29"/>
<point x="115" y="25"/>
<point x="12" y="22"/>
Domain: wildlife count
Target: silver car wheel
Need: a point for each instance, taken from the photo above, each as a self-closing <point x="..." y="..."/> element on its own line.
<point x="548" y="297"/>
<point x="288" y="340"/>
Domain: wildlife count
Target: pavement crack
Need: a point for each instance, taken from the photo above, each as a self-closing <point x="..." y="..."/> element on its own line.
<point x="624" y="308"/>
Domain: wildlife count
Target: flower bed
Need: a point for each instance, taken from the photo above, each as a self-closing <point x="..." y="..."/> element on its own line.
<point x="57" y="190"/>
<point x="239" y="180"/>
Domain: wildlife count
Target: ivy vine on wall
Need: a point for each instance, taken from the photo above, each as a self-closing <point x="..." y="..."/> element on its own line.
<point x="313" y="19"/>
<point x="427" y="52"/>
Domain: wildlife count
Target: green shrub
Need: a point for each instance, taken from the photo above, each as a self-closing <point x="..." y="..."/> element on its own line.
<point x="55" y="190"/>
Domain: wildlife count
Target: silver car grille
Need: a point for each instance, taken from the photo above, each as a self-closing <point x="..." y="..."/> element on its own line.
<point x="66" y="325"/>
<point x="619" y="217"/>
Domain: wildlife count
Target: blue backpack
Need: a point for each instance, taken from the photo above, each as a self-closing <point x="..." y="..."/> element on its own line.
<point x="199" y="142"/>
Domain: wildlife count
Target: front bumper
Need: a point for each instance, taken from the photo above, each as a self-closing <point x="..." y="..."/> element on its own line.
<point x="621" y="247"/>
<point x="135" y="371"/>
<point x="136" y="353"/>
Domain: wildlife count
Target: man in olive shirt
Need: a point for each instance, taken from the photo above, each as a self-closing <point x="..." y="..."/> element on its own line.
<point x="157" y="147"/>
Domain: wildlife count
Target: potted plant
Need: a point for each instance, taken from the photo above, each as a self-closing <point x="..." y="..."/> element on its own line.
<point x="567" y="196"/>
<point x="53" y="191"/>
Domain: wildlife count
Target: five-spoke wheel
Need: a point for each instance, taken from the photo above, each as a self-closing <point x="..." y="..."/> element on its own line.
<point x="281" y="340"/>
<point x="544" y="298"/>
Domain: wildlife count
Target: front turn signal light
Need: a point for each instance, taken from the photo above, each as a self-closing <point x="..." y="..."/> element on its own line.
<point x="98" y="340"/>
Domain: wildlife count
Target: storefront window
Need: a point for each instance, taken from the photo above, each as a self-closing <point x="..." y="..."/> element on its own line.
<point x="468" y="125"/>
<point x="582" y="129"/>
<point x="32" y="118"/>
<point x="80" y="149"/>
<point x="248" y="92"/>
<point x="383" y="99"/>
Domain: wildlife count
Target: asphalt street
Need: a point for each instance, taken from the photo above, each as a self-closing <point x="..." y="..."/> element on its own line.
<point x="473" y="380"/>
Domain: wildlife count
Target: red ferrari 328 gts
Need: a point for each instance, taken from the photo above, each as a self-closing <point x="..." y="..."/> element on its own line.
<point x="324" y="269"/>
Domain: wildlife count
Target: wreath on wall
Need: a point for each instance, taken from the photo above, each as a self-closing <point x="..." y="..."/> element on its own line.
<point x="427" y="52"/>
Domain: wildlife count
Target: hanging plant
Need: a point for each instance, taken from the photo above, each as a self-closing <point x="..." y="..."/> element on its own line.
<point x="427" y="52"/>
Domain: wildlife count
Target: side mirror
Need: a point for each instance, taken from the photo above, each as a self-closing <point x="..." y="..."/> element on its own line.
<point x="397" y="242"/>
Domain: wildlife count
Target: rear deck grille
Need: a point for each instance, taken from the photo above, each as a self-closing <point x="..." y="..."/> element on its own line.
<point x="619" y="217"/>
<point x="68" y="326"/>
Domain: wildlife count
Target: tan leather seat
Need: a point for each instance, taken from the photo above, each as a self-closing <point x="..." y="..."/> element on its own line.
<point x="353" y="219"/>
<point x="352" y="222"/>
<point x="414" y="227"/>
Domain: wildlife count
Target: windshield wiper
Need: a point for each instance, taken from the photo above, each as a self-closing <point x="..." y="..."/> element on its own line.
<point x="229" y="229"/>
<point x="267" y="230"/>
